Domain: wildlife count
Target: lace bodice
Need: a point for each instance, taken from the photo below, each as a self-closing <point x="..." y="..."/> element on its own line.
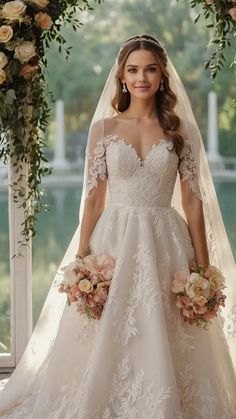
<point x="135" y="181"/>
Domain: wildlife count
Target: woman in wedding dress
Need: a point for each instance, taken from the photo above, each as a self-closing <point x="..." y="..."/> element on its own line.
<point x="148" y="201"/>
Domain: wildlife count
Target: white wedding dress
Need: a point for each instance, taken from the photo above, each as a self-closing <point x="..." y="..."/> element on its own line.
<point x="140" y="360"/>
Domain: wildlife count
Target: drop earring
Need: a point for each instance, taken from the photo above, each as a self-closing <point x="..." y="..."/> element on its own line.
<point x="162" y="86"/>
<point x="124" y="89"/>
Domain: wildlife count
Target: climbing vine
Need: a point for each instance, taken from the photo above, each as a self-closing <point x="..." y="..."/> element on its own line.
<point x="27" y="28"/>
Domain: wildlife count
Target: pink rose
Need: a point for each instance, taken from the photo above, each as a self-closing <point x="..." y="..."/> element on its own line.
<point x="102" y="265"/>
<point x="43" y="20"/>
<point x="209" y="314"/>
<point x="28" y="71"/>
<point x="188" y="313"/>
<point x="179" y="282"/>
<point x="232" y="12"/>
<point x="182" y="301"/>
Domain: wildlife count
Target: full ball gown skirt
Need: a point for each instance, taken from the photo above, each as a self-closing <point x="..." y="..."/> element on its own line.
<point x="140" y="360"/>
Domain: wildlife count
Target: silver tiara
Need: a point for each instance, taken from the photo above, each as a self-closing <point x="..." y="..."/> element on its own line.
<point x="140" y="39"/>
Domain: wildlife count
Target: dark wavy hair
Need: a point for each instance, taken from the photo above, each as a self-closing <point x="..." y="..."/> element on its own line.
<point x="165" y="100"/>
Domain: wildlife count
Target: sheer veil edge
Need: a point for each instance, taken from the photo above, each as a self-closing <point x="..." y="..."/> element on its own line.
<point x="37" y="353"/>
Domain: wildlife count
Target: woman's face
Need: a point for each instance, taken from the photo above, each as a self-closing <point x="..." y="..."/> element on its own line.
<point x="142" y="74"/>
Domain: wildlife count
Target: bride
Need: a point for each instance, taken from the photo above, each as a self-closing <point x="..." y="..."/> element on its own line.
<point x="148" y="201"/>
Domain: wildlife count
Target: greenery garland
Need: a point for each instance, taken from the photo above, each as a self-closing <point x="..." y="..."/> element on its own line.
<point x="223" y="14"/>
<point x="27" y="28"/>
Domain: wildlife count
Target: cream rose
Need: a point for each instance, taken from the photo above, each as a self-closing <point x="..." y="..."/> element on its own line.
<point x="199" y="306"/>
<point x="6" y="33"/>
<point x="215" y="282"/>
<point x="13" y="10"/>
<point x="85" y="285"/>
<point x="3" y="60"/>
<point x="3" y="76"/>
<point x="25" y="51"/>
<point x="43" y="20"/>
<point x="41" y="4"/>
<point x="197" y="285"/>
<point x="232" y="12"/>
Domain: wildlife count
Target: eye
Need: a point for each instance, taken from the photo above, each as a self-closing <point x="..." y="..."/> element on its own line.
<point x="132" y="70"/>
<point x="152" y="69"/>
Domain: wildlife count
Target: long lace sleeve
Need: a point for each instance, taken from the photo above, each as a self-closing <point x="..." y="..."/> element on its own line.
<point x="96" y="161"/>
<point x="188" y="169"/>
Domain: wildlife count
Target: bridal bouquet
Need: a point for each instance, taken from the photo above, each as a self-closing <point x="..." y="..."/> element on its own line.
<point x="86" y="282"/>
<point x="199" y="295"/>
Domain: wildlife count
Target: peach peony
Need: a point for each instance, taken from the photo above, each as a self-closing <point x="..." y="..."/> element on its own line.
<point x="102" y="265"/>
<point x="6" y="33"/>
<point x="179" y="282"/>
<point x="43" y="20"/>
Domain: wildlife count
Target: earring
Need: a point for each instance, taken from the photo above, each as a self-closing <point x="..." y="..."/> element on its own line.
<point x="162" y="86"/>
<point x="124" y="89"/>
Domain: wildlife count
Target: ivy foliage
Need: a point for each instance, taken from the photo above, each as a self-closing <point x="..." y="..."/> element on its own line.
<point x="222" y="14"/>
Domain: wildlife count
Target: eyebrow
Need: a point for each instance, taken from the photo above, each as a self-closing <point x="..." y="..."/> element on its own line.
<point x="149" y="65"/>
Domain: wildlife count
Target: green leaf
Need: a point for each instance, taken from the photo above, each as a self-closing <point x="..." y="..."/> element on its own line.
<point x="10" y="97"/>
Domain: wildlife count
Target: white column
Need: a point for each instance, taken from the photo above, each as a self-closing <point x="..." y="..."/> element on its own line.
<point x="20" y="268"/>
<point x="212" y="141"/>
<point x="59" y="162"/>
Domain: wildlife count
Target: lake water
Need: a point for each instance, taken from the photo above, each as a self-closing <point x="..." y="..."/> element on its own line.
<point x="55" y="230"/>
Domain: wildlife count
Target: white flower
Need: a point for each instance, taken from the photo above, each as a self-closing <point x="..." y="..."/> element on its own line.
<point x="25" y="51"/>
<point x="13" y="10"/>
<point x="6" y="33"/>
<point x="70" y="278"/>
<point x="197" y="285"/>
<point x="85" y="285"/>
<point x="2" y="76"/>
<point x="3" y="60"/>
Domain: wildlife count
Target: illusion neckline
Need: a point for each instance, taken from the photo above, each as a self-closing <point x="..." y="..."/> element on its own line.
<point x="131" y="146"/>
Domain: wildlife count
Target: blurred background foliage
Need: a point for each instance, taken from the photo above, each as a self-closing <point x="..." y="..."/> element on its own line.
<point x="79" y="82"/>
